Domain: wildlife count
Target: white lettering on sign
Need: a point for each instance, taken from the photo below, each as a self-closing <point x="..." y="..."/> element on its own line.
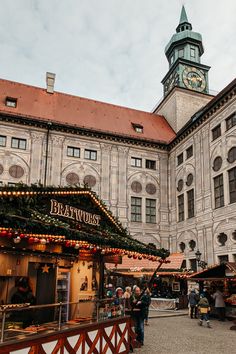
<point x="73" y="213"/>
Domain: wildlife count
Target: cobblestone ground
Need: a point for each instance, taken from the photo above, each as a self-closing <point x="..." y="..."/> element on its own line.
<point x="182" y="335"/>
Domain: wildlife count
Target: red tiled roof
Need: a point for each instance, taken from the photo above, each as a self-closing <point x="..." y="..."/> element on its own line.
<point x="175" y="259"/>
<point x="34" y="102"/>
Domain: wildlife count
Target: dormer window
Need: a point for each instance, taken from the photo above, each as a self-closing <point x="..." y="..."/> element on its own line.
<point x="11" y="102"/>
<point x="137" y="127"/>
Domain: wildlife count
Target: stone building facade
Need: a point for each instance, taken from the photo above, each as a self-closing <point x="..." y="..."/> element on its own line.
<point x="169" y="175"/>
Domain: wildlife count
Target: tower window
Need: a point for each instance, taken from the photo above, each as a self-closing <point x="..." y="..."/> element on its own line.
<point x="192" y="52"/>
<point x="181" y="53"/>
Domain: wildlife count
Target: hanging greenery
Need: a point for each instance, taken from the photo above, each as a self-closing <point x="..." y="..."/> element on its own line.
<point x="80" y="216"/>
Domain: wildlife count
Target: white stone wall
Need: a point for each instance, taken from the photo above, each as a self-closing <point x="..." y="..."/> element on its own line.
<point x="112" y="170"/>
<point x="208" y="221"/>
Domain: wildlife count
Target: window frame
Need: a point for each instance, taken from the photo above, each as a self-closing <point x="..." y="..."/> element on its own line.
<point x="11" y="102"/>
<point x="219" y="187"/>
<point x="180" y="159"/>
<point x="19" y="141"/>
<point x="90" y="152"/>
<point x="180" y="207"/>
<point x="216" y="132"/>
<point x="189" y="152"/>
<point x="4" y="137"/>
<point x="232" y="181"/>
<point x="190" y="203"/>
<point x="136" y="216"/>
<point x="135" y="159"/>
<point x="150" y="161"/>
<point x="73" y="148"/>
<point x="231" y="119"/>
<point x="150" y="211"/>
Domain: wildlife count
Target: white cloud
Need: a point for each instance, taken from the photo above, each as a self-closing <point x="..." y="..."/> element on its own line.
<point x="110" y="50"/>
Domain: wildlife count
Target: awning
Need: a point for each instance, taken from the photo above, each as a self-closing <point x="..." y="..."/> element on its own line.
<point x="144" y="265"/>
<point x="216" y="272"/>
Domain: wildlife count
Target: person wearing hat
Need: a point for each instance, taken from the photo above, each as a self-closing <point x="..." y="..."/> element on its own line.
<point x="204" y="309"/>
<point x="23" y="295"/>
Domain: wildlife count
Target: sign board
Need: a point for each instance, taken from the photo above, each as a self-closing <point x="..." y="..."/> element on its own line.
<point x="116" y="259"/>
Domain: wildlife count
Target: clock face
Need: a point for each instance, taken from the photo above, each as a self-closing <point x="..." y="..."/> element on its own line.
<point x="171" y="82"/>
<point x="194" y="79"/>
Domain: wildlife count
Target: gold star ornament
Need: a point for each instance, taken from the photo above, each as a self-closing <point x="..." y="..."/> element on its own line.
<point x="45" y="268"/>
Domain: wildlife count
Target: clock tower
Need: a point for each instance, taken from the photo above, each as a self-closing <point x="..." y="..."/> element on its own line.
<point x="183" y="53"/>
<point x="185" y="85"/>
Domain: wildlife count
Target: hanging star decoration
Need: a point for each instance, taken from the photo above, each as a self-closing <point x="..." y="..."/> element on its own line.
<point x="45" y="268"/>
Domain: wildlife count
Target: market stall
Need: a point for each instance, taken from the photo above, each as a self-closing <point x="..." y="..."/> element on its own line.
<point x="219" y="276"/>
<point x="169" y="287"/>
<point x="56" y="240"/>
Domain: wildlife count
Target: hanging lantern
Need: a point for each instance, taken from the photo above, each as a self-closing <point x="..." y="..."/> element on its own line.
<point x="10" y="234"/>
<point x="31" y="240"/>
<point x="76" y="246"/>
<point x="22" y="235"/>
<point x="43" y="241"/>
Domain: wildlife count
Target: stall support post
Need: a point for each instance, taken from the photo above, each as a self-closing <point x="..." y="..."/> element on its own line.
<point x="3" y="325"/>
<point x="59" y="319"/>
<point x="101" y="278"/>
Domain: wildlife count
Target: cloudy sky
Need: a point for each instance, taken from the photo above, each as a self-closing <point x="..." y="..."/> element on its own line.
<point x="110" y="50"/>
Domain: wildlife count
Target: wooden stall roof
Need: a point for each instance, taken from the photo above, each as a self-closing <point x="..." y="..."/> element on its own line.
<point x="216" y="272"/>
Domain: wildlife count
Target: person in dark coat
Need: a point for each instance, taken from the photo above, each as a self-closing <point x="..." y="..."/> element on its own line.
<point x="193" y="301"/>
<point x="23" y="295"/>
<point x="139" y="305"/>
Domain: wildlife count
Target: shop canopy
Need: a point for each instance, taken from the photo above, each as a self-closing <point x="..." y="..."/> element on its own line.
<point x="217" y="272"/>
<point x="73" y="217"/>
<point x="138" y="268"/>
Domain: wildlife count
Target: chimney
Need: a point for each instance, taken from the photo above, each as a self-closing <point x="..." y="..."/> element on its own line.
<point x="50" y="80"/>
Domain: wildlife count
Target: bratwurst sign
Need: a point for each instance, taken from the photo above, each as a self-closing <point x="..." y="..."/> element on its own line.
<point x="70" y="212"/>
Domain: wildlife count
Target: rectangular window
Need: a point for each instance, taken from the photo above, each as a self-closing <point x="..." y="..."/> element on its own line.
<point x="216" y="132"/>
<point x="224" y="258"/>
<point x="3" y="140"/>
<point x="232" y="185"/>
<point x="190" y="197"/>
<point x="73" y="151"/>
<point x="231" y="121"/>
<point x="180" y="159"/>
<point x="181" y="207"/>
<point x="181" y="53"/>
<point x="11" y="184"/>
<point x="189" y="152"/>
<point x="192" y="52"/>
<point x="172" y="59"/>
<point x="17" y="143"/>
<point x="151" y="164"/>
<point x="136" y="162"/>
<point x="219" y="191"/>
<point x="137" y="127"/>
<point x="136" y="209"/>
<point x="90" y="154"/>
<point x="11" y="102"/>
<point x="150" y="211"/>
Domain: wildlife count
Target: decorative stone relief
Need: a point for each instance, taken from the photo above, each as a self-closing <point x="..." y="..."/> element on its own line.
<point x="16" y="171"/>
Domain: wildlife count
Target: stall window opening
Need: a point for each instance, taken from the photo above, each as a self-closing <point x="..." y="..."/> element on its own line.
<point x="136" y="209"/>
<point x="90" y="154"/>
<point x="18" y="143"/>
<point x="73" y="151"/>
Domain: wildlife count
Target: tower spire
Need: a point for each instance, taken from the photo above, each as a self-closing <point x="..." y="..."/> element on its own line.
<point x="183" y="16"/>
<point x="184" y="24"/>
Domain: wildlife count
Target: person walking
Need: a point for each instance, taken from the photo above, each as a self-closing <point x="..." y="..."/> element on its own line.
<point x="126" y="297"/>
<point x="193" y="301"/>
<point x="138" y="304"/>
<point x="147" y="296"/>
<point x="203" y="306"/>
<point x="219" y="304"/>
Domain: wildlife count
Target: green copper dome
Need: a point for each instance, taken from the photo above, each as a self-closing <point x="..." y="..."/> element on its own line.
<point x="183" y="35"/>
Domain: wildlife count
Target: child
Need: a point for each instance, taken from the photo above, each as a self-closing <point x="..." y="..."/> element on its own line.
<point x="203" y="306"/>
